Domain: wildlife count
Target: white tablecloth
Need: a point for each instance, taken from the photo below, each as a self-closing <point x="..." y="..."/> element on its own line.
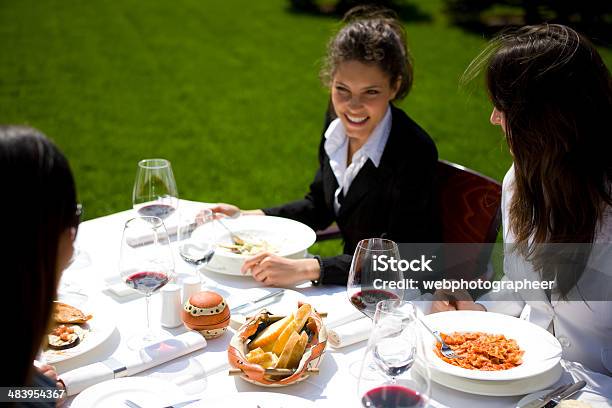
<point x="204" y="373"/>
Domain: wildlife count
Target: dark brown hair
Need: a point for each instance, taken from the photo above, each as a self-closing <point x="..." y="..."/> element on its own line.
<point x="371" y="35"/>
<point x="555" y="93"/>
<point x="38" y="205"/>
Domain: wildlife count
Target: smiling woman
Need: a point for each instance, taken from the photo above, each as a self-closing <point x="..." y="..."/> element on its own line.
<point x="360" y="95"/>
<point x="376" y="165"/>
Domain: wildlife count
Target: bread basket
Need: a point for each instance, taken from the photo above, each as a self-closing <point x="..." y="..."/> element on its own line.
<point x="271" y="377"/>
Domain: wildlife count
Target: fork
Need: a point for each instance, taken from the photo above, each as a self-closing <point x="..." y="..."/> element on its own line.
<point x="237" y="240"/>
<point x="445" y="348"/>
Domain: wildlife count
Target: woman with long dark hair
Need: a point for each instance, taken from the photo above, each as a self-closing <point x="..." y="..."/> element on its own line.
<point x="39" y="217"/>
<point x="552" y="96"/>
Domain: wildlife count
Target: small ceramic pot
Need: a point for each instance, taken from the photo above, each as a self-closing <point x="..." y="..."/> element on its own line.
<point x="206" y="312"/>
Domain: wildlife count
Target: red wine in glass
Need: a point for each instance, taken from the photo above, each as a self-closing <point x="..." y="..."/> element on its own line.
<point x="366" y="299"/>
<point x="392" y="396"/>
<point x="162" y="211"/>
<point x="147" y="282"/>
<point x="145" y="267"/>
<point x="155" y="193"/>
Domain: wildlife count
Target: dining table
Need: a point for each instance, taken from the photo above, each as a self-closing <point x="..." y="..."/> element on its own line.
<point x="204" y="373"/>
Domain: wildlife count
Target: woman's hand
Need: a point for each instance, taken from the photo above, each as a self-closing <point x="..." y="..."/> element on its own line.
<point x="49" y="372"/>
<point x="231" y="210"/>
<point x="274" y="270"/>
<point x="445" y="300"/>
<point x="228" y="209"/>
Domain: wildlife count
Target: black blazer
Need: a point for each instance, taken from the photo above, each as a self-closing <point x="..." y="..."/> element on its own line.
<point x="395" y="200"/>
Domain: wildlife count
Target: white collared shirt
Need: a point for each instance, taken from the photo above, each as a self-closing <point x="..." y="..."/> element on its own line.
<point x="336" y="146"/>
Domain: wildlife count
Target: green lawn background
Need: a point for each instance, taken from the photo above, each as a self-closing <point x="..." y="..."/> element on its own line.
<point x="227" y="91"/>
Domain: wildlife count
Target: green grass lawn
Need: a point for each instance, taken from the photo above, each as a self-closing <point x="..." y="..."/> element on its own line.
<point x="227" y="91"/>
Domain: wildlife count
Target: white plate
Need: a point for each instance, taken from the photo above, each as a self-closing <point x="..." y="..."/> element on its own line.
<point x="144" y="391"/>
<point x="542" y="349"/>
<point x="100" y="327"/>
<point x="498" y="388"/>
<point x="584" y="395"/>
<point x="289" y="238"/>
<point x="254" y="400"/>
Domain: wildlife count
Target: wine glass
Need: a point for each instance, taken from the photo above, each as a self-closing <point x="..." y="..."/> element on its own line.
<point x="155" y="193"/>
<point x="69" y="290"/>
<point x="194" y="251"/>
<point x="367" y="274"/>
<point x="393" y="347"/>
<point x="145" y="264"/>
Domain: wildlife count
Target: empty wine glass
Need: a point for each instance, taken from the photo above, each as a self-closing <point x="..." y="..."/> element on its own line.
<point x="393" y="347"/>
<point x="155" y="193"/>
<point x="69" y="290"/>
<point x="365" y="276"/>
<point x="146" y="265"/>
<point x="196" y="252"/>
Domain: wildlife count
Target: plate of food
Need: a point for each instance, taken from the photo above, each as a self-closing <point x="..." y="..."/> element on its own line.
<point x="282" y="236"/>
<point x="497" y="388"/>
<point x="494" y="347"/>
<point x="75" y="331"/>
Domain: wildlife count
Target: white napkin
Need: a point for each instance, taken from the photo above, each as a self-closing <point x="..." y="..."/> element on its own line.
<point x="118" y="287"/>
<point x="335" y="319"/>
<point x="350" y="333"/>
<point x="151" y="356"/>
<point x="171" y="225"/>
<point x="597" y="383"/>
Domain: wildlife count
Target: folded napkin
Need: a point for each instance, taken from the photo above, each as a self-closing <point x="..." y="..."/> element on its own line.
<point x="335" y="319"/>
<point x="350" y="333"/>
<point x="171" y="225"/>
<point x="153" y="355"/>
<point x="116" y="286"/>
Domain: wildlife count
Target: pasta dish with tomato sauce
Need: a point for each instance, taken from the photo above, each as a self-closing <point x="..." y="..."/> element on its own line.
<point x="482" y="351"/>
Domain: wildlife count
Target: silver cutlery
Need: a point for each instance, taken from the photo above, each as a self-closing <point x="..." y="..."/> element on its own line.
<point x="261" y="299"/>
<point x="574" y="388"/>
<point x="556" y="393"/>
<point x="237" y="240"/>
<point x="132" y="404"/>
<point x="445" y="348"/>
<point x="543" y="400"/>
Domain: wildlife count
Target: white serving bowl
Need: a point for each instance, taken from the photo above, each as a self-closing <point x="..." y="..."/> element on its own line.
<point x="288" y="238"/>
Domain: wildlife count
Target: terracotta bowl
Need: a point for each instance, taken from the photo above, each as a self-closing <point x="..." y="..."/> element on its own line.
<point x="254" y="373"/>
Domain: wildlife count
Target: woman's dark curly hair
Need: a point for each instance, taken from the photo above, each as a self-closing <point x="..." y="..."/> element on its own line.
<point x="371" y="35"/>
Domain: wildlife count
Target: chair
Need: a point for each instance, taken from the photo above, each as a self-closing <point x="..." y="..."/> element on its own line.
<point x="470" y="213"/>
<point x="470" y="204"/>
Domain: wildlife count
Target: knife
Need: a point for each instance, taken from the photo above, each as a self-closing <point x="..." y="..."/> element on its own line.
<point x="565" y="394"/>
<point x="261" y="299"/>
<point x="542" y="401"/>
